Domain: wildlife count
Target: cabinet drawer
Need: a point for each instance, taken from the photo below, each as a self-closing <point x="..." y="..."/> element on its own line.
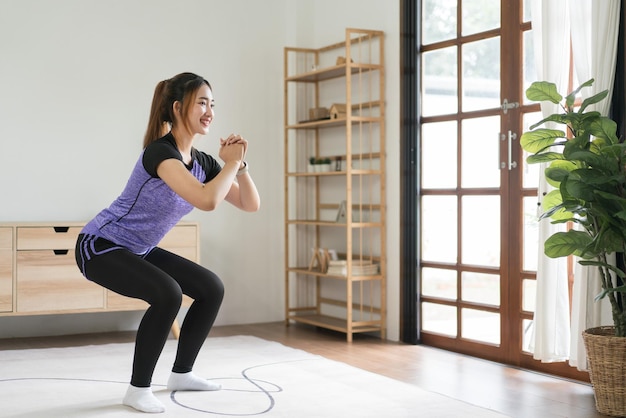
<point x="50" y="281"/>
<point x="117" y="302"/>
<point x="188" y="253"/>
<point x="181" y="236"/>
<point x="47" y="238"/>
<point x="6" y="238"/>
<point x="182" y="240"/>
<point x="6" y="280"/>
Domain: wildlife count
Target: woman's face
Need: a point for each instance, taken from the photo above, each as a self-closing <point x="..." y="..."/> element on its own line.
<point x="201" y="112"/>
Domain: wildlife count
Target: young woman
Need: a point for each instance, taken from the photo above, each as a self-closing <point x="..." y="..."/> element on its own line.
<point x="117" y="249"/>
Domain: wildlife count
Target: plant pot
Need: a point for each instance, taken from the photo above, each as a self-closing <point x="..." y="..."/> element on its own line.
<point x="606" y="355"/>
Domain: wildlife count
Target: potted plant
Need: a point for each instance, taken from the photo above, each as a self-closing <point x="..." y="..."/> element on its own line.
<point x="326" y="164"/>
<point x="319" y="165"/>
<point x="586" y="165"/>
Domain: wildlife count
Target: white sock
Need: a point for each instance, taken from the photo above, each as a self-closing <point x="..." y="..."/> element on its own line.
<point x="142" y="399"/>
<point x="189" y="381"/>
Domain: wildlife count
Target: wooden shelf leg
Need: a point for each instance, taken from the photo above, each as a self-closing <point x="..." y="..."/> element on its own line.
<point x="175" y="329"/>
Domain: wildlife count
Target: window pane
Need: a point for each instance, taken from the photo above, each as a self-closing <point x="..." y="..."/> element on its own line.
<point x="480" y="147"/>
<point x="529" y="295"/>
<point x="439" y="283"/>
<point x="480" y="15"/>
<point x="481" y="230"/>
<point x="480" y="288"/>
<point x="440" y="319"/>
<point x="438" y="20"/>
<point x="527" y="330"/>
<point x="481" y="75"/>
<point x="439" y="82"/>
<point x="530" y="72"/>
<point x="531" y="234"/>
<point x="526" y="11"/>
<point x="439" y="139"/>
<point x="480" y="326"/>
<point x="439" y="228"/>
<point x="531" y="172"/>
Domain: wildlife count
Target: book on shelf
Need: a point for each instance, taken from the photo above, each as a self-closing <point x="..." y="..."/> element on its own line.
<point x="359" y="268"/>
<point x="321" y="257"/>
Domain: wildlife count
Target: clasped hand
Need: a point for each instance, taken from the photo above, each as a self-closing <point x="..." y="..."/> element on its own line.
<point x="233" y="148"/>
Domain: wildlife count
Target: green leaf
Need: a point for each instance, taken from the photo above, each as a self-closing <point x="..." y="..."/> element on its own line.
<point x="593" y="100"/>
<point x="562" y="118"/>
<point x="571" y="98"/>
<point x="562" y="244"/>
<point x="540" y="91"/>
<point x="559" y="170"/>
<point x="615" y="151"/>
<point x="544" y="157"/>
<point x="581" y="142"/>
<point x="552" y="204"/>
<point x="604" y="128"/>
<point x="579" y="122"/>
<point x="605" y="292"/>
<point x="551" y="199"/>
<point x="577" y="187"/>
<point x="621" y="215"/>
<point x="590" y="159"/>
<point x="540" y="139"/>
<point x="600" y="264"/>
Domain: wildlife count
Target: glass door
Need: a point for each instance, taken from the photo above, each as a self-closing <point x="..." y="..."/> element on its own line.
<point x="477" y="197"/>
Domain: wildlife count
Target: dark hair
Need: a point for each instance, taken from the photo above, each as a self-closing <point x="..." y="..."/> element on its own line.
<point x="180" y="88"/>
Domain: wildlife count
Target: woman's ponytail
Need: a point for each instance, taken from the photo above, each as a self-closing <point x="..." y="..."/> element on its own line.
<point x="159" y="115"/>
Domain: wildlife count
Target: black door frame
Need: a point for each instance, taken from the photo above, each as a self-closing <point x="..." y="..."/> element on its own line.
<point x="409" y="166"/>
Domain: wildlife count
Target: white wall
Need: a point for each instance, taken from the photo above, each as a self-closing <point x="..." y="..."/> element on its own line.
<point x="76" y="80"/>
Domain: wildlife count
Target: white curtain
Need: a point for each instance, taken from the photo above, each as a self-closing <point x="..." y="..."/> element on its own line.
<point x="551" y="41"/>
<point x="594" y="43"/>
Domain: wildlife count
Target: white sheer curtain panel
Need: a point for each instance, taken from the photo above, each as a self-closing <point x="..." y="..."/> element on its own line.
<point x="595" y="27"/>
<point x="551" y="42"/>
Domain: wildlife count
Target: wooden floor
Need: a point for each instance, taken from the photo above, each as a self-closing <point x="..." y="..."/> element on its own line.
<point x="513" y="392"/>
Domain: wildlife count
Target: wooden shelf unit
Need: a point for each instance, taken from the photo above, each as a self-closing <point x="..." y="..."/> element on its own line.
<point x="355" y="143"/>
<point x="39" y="276"/>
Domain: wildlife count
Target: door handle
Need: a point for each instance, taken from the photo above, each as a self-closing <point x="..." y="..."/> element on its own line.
<point x="512" y="137"/>
<point x="509" y="137"/>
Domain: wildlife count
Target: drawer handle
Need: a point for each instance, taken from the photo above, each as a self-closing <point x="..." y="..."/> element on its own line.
<point x="62" y="229"/>
<point x="60" y="252"/>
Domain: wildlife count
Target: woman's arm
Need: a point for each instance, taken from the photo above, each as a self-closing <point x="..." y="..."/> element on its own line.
<point x="241" y="193"/>
<point x="202" y="196"/>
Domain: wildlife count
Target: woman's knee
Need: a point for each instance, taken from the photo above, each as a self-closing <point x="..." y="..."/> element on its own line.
<point x="212" y="288"/>
<point x="170" y="297"/>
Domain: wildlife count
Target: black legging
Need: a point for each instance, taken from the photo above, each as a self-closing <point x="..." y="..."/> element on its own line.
<point x="159" y="278"/>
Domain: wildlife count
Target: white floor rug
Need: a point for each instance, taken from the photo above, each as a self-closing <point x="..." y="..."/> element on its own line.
<point x="259" y="378"/>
